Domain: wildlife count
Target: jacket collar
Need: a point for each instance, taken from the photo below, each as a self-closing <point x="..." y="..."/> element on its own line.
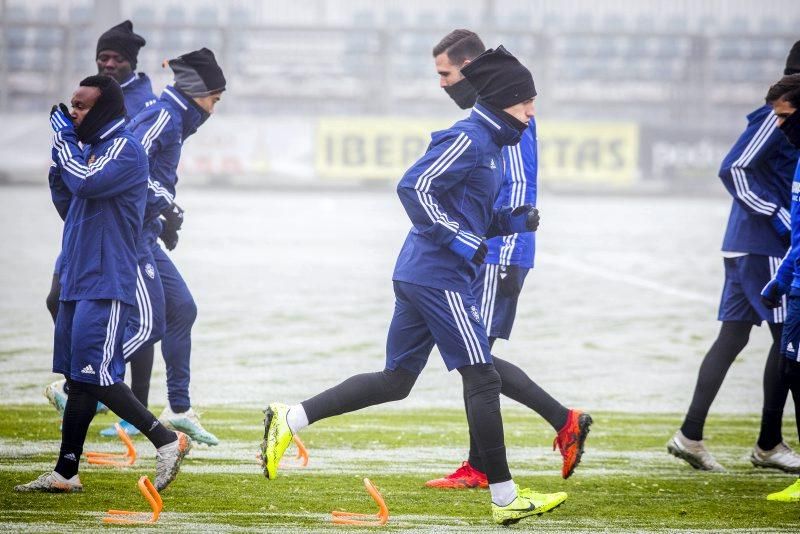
<point x="502" y="133"/>
<point x="192" y="118"/>
<point x="130" y="80"/>
<point x="108" y="131"/>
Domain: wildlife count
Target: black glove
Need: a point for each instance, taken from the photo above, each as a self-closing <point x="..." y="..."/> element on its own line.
<point x="510" y="280"/>
<point x="173" y="216"/>
<point x="169" y="235"/>
<point x="524" y="219"/>
<point x="480" y="254"/>
<point x="772" y="294"/>
<point x="790" y="369"/>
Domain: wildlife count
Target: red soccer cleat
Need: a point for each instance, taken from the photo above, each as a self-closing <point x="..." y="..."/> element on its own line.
<point x="570" y="440"/>
<point x="465" y="476"/>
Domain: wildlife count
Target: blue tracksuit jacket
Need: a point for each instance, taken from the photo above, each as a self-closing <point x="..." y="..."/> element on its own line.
<point x="100" y="190"/>
<point x="138" y="93"/>
<point x="758" y="173"/>
<point x="520" y="169"/>
<point x="161" y="129"/>
<point x="449" y="194"/>
<point x="789" y="270"/>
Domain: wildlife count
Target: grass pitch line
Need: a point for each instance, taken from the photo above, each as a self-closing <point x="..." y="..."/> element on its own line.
<point x="125" y="517"/>
<point x="126" y="459"/>
<point x="375" y="520"/>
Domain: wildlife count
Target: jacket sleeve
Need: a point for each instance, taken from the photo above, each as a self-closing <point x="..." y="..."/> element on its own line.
<point x="447" y="162"/>
<point x="520" y="170"/>
<point x="61" y="195"/>
<point x="108" y="176"/>
<point x="756" y="145"/>
<point x="155" y="132"/>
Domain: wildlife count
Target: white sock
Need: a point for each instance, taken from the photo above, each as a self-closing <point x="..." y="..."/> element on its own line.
<point x="59" y="477"/>
<point x="503" y="493"/>
<point x="297" y="418"/>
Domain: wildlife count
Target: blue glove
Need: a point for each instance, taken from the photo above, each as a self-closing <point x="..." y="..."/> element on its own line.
<point x="60" y="118"/>
<point x="524" y="219"/>
<point x="773" y="292"/>
<point x="469" y="246"/>
<point x="782" y="230"/>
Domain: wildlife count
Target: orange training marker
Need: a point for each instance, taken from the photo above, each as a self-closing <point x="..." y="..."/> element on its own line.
<point x="376" y="520"/>
<point x="112" y="458"/>
<point x="300" y="460"/>
<point x="150" y="493"/>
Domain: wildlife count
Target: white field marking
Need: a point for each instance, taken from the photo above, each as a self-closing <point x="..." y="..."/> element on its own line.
<point x="614" y="276"/>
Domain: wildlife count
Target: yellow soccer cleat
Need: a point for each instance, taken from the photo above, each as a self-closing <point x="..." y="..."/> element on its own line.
<point x="277" y="437"/>
<point x="526" y="504"/>
<point x="790" y="494"/>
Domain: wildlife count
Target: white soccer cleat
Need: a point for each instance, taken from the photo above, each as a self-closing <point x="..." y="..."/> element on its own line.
<point x="189" y="423"/>
<point x="168" y="461"/>
<point x="693" y="452"/>
<point x="780" y="457"/>
<point x="52" y="483"/>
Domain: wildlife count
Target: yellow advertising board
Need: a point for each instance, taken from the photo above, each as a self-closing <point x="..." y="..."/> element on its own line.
<point x="367" y="148"/>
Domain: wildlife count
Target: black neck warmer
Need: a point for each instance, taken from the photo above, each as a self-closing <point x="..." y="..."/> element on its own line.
<point x="791" y="128"/>
<point x="509" y="119"/>
<point x="462" y="93"/>
<point x="110" y="105"/>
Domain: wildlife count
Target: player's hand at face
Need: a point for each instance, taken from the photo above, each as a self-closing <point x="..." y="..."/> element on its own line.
<point x="60" y="118"/>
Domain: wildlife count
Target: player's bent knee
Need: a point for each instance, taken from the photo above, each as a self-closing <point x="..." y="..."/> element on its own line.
<point x="399" y="383"/>
<point x="480" y="378"/>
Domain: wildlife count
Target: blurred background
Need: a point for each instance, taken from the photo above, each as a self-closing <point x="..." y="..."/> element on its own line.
<point x="633" y="95"/>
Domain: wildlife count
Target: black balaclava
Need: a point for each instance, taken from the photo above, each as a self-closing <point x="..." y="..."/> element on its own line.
<point x="197" y="73"/>
<point x="462" y="93"/>
<point x="501" y="82"/>
<point x="121" y="39"/>
<point x="791" y="128"/>
<point x="793" y="60"/>
<point x="110" y="105"/>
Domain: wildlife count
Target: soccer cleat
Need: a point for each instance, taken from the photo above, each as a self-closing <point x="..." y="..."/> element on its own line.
<point x="168" y="462"/>
<point x="52" y="483"/>
<point x="780" y="457"/>
<point x="189" y="423"/>
<point x="277" y="437"/>
<point x="465" y="476"/>
<point x="58" y="398"/>
<point x="111" y="432"/>
<point x="570" y="440"/>
<point x="693" y="452"/>
<point x="790" y="494"/>
<point x="526" y="504"/>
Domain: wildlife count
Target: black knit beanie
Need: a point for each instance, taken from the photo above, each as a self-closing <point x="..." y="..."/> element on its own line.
<point x="793" y="60"/>
<point x="110" y="105"/>
<point x="121" y="39"/>
<point x="197" y="73"/>
<point x="500" y="79"/>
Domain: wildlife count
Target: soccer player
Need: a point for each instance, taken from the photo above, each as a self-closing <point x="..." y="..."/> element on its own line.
<point x="116" y="56"/>
<point x="785" y="99"/>
<point x="498" y="284"/>
<point x="449" y="195"/>
<point x="99" y="187"/>
<point x="162" y="129"/>
<point x="757" y="172"/>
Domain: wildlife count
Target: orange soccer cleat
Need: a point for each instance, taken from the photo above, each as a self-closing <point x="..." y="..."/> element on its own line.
<point x="570" y="440"/>
<point x="465" y="476"/>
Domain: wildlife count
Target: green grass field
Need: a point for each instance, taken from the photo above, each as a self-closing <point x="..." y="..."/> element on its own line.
<point x="627" y="481"/>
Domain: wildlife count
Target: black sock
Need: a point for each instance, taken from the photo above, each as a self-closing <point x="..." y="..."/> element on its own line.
<point x="141" y="369"/>
<point x="52" y="298"/>
<point x="360" y="391"/>
<point x="776" y="390"/>
<point x="120" y="400"/>
<point x="732" y="338"/>
<point x="794" y="387"/>
<point x="482" y="384"/>
<point x="78" y="415"/>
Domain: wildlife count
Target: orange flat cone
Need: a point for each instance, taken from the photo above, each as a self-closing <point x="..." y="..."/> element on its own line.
<point x="125" y="517"/>
<point x="301" y="459"/>
<point x="115" y="459"/>
<point x="374" y="520"/>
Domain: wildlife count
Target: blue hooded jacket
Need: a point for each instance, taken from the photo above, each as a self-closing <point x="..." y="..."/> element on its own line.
<point x="138" y="93"/>
<point x="161" y="129"/>
<point x="449" y="194"/>
<point x="757" y="172"/>
<point x="100" y="190"/>
<point x="520" y="169"/>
